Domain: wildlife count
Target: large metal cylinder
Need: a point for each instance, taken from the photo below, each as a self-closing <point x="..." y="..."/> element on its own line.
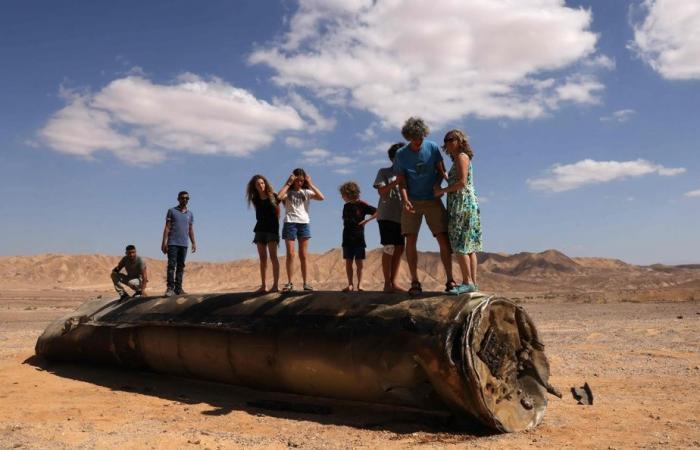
<point x="479" y="357"/>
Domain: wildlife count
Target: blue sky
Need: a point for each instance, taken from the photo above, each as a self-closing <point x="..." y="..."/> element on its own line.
<point x="583" y="117"/>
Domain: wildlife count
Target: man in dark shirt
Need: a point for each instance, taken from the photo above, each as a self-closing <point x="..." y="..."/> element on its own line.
<point x="136" y="276"/>
<point x="354" y="213"/>
<point x="179" y="226"/>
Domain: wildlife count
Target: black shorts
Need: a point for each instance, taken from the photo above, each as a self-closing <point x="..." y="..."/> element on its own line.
<point x="390" y="232"/>
<point x="264" y="237"/>
<point x="353" y="253"/>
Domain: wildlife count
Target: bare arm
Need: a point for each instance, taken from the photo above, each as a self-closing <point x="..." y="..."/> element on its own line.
<point x="282" y="195"/>
<point x="318" y="195"/>
<point x="166" y="233"/>
<point x="194" y="244"/>
<point x="387" y="188"/>
<point x="373" y="216"/>
<point x="462" y="170"/>
<point x="144" y="280"/>
<point x="407" y="205"/>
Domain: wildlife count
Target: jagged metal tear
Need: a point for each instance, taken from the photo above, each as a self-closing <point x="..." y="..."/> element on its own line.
<point x="478" y="357"/>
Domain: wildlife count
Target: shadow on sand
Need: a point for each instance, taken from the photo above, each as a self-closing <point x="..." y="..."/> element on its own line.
<point x="224" y="398"/>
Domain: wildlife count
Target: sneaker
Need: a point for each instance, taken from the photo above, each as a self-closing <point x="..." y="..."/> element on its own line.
<point x="307" y="287"/>
<point x="169" y="293"/>
<point x="289" y="287"/>
<point x="180" y="292"/>
<point x="465" y="288"/>
<point x="123" y="297"/>
<point x="137" y="294"/>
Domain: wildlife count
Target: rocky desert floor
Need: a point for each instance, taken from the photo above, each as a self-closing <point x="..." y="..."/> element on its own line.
<point x="642" y="361"/>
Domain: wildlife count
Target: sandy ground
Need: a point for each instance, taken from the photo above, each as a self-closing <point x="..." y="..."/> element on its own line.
<point x="641" y="359"/>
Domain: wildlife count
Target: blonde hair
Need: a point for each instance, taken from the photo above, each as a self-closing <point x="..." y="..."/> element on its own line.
<point x="463" y="140"/>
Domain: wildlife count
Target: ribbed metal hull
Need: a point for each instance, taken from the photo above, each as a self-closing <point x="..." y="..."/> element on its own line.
<point x="476" y="356"/>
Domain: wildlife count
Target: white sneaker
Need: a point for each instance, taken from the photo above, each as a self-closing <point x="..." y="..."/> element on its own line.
<point x="169" y="293"/>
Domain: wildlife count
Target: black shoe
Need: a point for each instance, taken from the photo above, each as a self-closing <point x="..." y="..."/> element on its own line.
<point x="137" y="294"/>
<point x="180" y="292"/>
<point x="123" y="297"/>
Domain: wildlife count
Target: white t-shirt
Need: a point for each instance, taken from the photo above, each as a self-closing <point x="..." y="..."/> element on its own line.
<point x="296" y="206"/>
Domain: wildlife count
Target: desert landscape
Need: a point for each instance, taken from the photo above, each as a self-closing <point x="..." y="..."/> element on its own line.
<point x="632" y="332"/>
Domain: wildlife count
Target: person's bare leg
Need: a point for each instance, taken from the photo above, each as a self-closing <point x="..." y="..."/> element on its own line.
<point x="262" y="254"/>
<point x="463" y="261"/>
<point x="272" y="249"/>
<point x="348" y="273"/>
<point x="395" y="265"/>
<point x="412" y="255"/>
<point x="303" y="252"/>
<point x="445" y="254"/>
<point x="386" y="270"/>
<point x="289" y="263"/>
<point x="472" y="266"/>
<point x="359" y="264"/>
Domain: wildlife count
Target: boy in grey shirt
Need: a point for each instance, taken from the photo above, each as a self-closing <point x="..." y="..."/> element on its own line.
<point x="135" y="277"/>
<point x="389" y="220"/>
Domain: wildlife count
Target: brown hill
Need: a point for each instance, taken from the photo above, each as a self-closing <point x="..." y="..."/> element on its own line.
<point x="548" y="274"/>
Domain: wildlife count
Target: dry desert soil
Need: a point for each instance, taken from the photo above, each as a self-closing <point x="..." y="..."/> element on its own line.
<point x="640" y="355"/>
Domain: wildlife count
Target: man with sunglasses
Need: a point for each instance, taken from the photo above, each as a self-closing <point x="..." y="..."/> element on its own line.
<point x="179" y="230"/>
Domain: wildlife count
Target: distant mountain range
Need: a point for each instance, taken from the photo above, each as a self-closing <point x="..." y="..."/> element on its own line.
<point x="546" y="275"/>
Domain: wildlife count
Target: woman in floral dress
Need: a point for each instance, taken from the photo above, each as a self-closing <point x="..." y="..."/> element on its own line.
<point x="464" y="222"/>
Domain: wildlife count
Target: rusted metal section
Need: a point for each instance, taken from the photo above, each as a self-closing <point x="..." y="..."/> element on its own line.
<point x="479" y="357"/>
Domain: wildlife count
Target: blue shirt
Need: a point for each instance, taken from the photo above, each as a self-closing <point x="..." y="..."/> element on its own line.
<point x="179" y="226"/>
<point x="419" y="168"/>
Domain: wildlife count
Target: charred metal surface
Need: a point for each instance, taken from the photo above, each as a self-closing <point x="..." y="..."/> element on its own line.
<point x="479" y="357"/>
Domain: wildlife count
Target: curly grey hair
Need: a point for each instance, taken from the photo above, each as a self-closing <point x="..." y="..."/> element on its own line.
<point x="414" y="128"/>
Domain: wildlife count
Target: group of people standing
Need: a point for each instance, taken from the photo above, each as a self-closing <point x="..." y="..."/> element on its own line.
<point x="409" y="190"/>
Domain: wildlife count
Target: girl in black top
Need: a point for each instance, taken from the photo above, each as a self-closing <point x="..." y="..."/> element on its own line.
<point x="260" y="194"/>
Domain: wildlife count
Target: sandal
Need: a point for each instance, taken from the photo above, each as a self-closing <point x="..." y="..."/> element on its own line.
<point x="450" y="286"/>
<point x="289" y="287"/>
<point x="415" y="288"/>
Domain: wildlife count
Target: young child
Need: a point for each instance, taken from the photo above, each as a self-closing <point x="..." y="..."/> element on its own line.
<point x="261" y="195"/>
<point x="354" y="213"/>
<point x="296" y="194"/>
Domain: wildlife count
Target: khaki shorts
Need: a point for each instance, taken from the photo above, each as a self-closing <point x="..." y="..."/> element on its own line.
<point x="434" y="212"/>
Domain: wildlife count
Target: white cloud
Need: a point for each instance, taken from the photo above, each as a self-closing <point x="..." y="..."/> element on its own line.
<point x="445" y="59"/>
<point x="667" y="37"/>
<point x="692" y="194"/>
<point x="309" y="110"/>
<point x="622" y="115"/>
<point x="564" y="177"/>
<point x="323" y="157"/>
<point x="294" y="141"/>
<point x="141" y="122"/>
<point x="343" y="171"/>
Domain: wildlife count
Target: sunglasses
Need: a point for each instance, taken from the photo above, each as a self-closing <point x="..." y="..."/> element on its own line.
<point x="184" y="198"/>
<point x="449" y="140"/>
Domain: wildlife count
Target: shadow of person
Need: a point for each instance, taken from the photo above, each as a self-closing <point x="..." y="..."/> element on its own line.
<point x="224" y="399"/>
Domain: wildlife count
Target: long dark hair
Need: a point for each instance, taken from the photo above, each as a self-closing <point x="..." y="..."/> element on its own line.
<point x="252" y="194"/>
<point x="299" y="172"/>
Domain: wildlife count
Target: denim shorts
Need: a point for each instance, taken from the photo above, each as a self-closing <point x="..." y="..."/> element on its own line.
<point x="291" y="231"/>
<point x="353" y="253"/>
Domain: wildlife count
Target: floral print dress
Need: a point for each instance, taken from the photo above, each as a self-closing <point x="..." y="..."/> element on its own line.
<point x="464" y="221"/>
